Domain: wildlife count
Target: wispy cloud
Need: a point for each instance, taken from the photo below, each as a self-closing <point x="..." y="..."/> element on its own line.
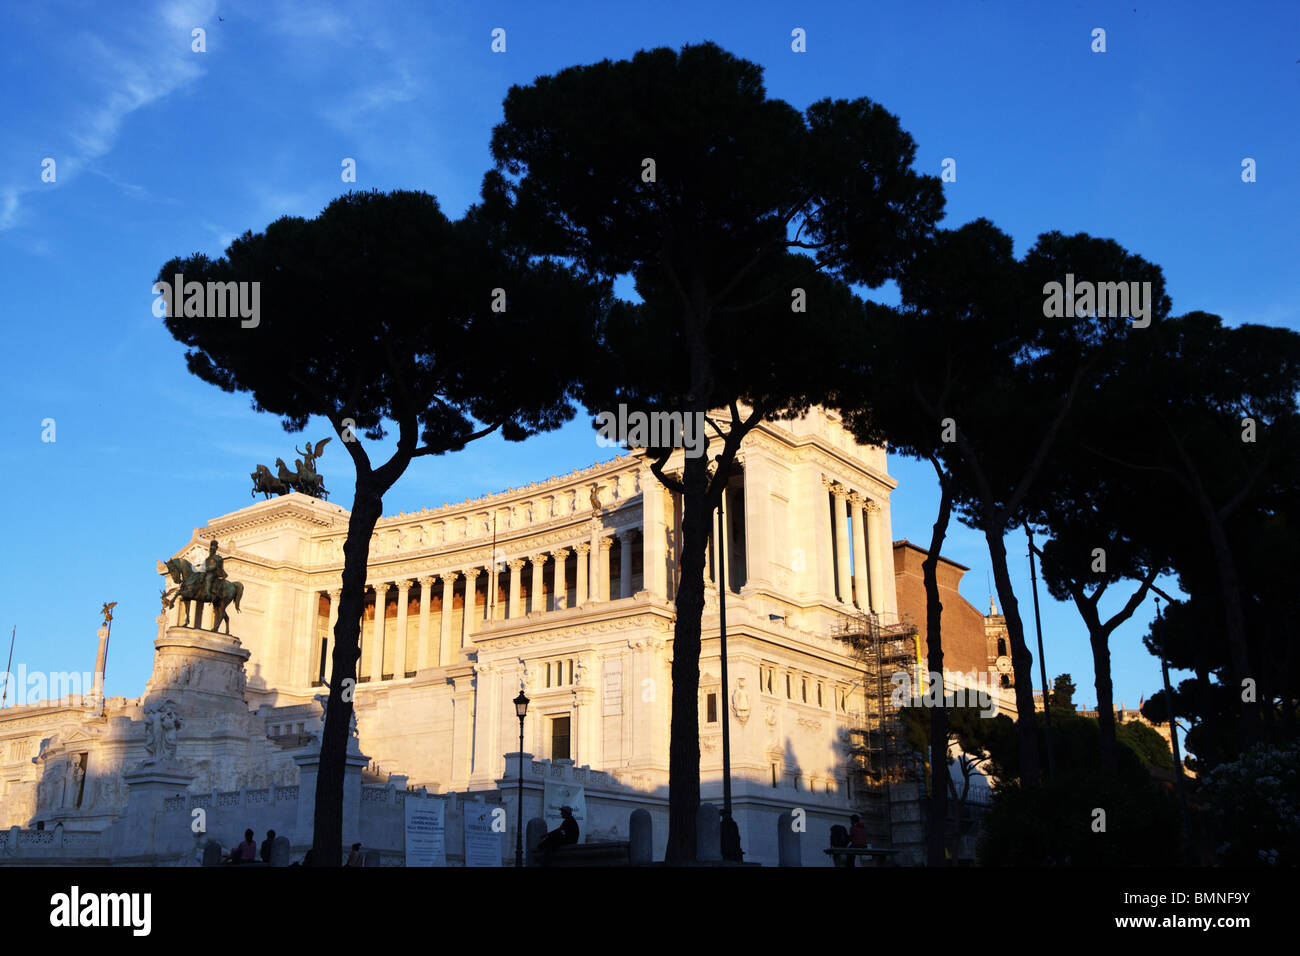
<point x="127" y="69"/>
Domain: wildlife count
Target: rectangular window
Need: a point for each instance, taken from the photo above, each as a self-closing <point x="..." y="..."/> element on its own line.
<point x="804" y="682"/>
<point x="559" y="738"/>
<point x="570" y="670"/>
<point x="788" y="694"/>
<point x="548" y="673"/>
<point x="819" y="694"/>
<point x="773" y="775"/>
<point x="712" y="706"/>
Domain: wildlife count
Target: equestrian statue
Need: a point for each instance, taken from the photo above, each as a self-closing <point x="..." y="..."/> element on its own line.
<point x="207" y="586"/>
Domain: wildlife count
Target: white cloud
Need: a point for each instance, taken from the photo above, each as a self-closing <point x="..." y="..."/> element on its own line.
<point x="129" y="70"/>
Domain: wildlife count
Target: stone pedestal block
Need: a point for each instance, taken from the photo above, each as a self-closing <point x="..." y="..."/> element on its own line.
<point x="789" y="852"/>
<point x="708" y="834"/>
<point x="199" y="670"/>
<point x="308" y="771"/>
<point x="145" y="828"/>
<point x="533" y="835"/>
<point x="641" y="838"/>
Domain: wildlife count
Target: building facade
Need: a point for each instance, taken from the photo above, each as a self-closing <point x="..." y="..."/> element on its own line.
<point x="563" y="588"/>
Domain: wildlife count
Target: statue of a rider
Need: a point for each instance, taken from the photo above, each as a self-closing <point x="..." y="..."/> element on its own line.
<point x="214" y="574"/>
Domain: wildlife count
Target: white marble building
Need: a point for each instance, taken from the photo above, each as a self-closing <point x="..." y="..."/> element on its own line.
<point x="564" y="587"/>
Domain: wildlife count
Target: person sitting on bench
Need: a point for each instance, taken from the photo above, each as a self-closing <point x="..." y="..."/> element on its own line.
<point x="563" y="835"/>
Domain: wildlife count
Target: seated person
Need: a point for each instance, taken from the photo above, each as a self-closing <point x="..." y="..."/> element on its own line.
<point x="857" y="832"/>
<point x="246" y="852"/>
<point x="563" y="835"/>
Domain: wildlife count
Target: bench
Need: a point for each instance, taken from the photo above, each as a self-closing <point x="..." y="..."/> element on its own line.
<point x="601" y="853"/>
<point x="870" y="853"/>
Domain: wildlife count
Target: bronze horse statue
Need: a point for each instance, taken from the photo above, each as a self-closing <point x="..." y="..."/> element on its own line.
<point x="305" y="479"/>
<point x="267" y="483"/>
<point x="191" y="581"/>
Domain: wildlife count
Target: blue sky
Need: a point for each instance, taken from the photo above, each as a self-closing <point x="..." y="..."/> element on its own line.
<point x="161" y="151"/>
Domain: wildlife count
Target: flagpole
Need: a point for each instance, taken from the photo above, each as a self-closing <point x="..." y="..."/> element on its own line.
<point x="12" y="637"/>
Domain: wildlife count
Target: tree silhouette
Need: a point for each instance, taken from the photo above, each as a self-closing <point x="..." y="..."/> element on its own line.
<point x="1107" y="526"/>
<point x="1007" y="431"/>
<point x="379" y="314"/>
<point x="904" y="380"/>
<point x="676" y="168"/>
<point x="1215" y="421"/>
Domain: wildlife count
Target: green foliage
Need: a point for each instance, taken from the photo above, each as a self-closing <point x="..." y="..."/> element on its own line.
<point x="1254" y="807"/>
<point x="1053" y="825"/>
<point x="1146" y="743"/>
<point x="1063" y="690"/>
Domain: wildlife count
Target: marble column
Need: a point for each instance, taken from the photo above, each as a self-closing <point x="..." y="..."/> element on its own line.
<point x="490" y="599"/>
<point x="482" y="747"/>
<point x="560" y="589"/>
<point x="536" y="599"/>
<point x="725" y="551"/>
<point x="841" y="548"/>
<point x="879" y="550"/>
<point x="516" y="571"/>
<point x="758" y="521"/>
<point x="377" y="652"/>
<point x="399" y="645"/>
<point x="860" y="562"/>
<point x="335" y="596"/>
<point x="625" y="564"/>
<point x="602" y="569"/>
<point x="471" y="606"/>
<point x="885" y="548"/>
<point x="426" y="658"/>
<point x="583" y="550"/>
<point x="444" y="621"/>
<point x="654" y="534"/>
<point x="823" y="550"/>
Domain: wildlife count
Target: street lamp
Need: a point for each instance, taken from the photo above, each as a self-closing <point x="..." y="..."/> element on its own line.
<point x="521" y="711"/>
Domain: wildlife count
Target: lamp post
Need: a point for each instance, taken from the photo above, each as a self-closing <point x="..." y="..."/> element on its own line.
<point x="521" y="710"/>
<point x="730" y="830"/>
<point x="1042" y="660"/>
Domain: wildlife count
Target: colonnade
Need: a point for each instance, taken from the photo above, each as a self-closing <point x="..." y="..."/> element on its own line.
<point x="593" y="583"/>
<point x="860" y="551"/>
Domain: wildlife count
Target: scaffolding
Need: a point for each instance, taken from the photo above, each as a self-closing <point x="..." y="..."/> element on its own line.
<point x="876" y="737"/>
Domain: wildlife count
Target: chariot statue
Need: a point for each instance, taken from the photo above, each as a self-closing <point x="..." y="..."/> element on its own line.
<point x="208" y="585"/>
<point x="304" y="479"/>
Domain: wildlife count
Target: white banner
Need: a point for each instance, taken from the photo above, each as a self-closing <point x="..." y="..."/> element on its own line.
<point x="556" y="795"/>
<point x="482" y="841"/>
<point x="426" y="833"/>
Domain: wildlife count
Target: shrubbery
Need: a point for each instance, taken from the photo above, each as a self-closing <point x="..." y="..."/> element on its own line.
<point x="1254" y="807"/>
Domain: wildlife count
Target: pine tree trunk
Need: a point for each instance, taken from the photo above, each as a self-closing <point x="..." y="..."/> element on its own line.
<point x="1022" y="661"/>
<point x="327" y="835"/>
<point x="684" y="741"/>
<point x="938" y="716"/>
<point x="1105" y="698"/>
<point x="1234" y="621"/>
